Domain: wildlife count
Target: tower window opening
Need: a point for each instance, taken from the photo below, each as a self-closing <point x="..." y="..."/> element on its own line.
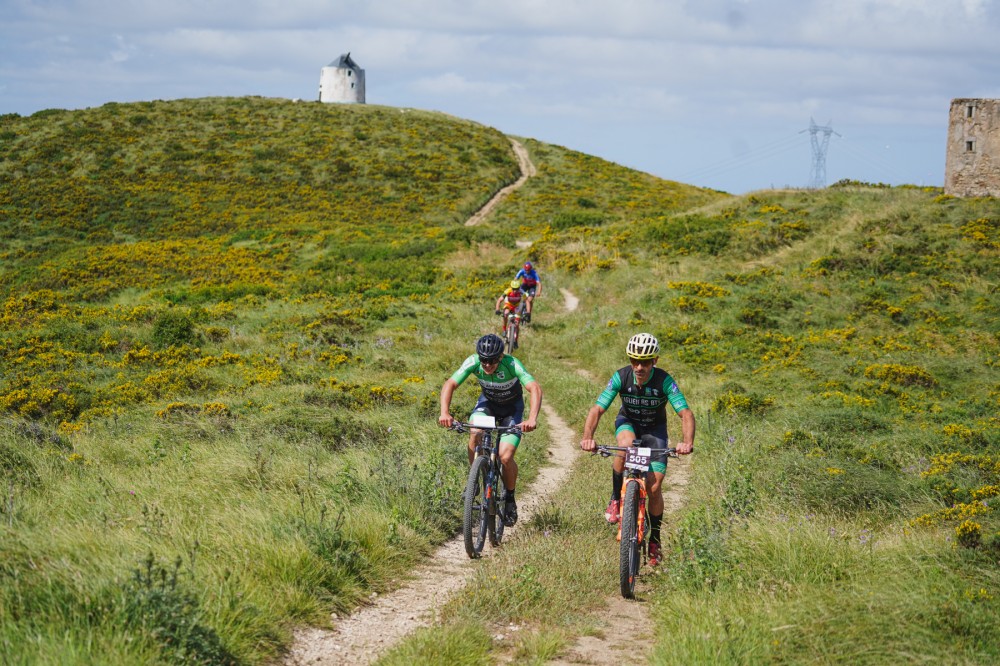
<point x="969" y="110"/>
<point x="970" y="146"/>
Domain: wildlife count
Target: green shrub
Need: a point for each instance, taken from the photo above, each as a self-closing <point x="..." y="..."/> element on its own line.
<point x="173" y="328"/>
<point x="734" y="403"/>
<point x="568" y="219"/>
<point x="156" y="608"/>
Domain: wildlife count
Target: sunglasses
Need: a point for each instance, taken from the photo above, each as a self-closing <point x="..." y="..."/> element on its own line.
<point x="489" y="361"/>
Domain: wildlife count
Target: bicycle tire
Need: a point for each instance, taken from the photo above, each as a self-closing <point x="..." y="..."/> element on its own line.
<point x="494" y="524"/>
<point x="476" y="514"/>
<point x="628" y="554"/>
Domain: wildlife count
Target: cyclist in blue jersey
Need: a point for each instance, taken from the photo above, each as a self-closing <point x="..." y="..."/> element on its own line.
<point x="531" y="285"/>
<point x="644" y="390"/>
<point x="503" y="381"/>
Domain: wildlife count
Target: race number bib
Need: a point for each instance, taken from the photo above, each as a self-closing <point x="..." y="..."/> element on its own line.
<point x="637" y="458"/>
<point x="483" y="420"/>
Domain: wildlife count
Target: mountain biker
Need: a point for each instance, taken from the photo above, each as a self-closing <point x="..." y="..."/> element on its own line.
<point x="531" y="285"/>
<point x="503" y="380"/>
<point x="510" y="299"/>
<point x="644" y="390"/>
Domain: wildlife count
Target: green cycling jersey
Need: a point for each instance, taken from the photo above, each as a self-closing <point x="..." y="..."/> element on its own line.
<point x="643" y="405"/>
<point x="504" y="385"/>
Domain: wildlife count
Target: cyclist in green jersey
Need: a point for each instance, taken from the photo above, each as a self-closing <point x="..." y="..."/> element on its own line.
<point x="644" y="391"/>
<point x="503" y="380"/>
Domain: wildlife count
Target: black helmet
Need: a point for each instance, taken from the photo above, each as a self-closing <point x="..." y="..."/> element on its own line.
<point x="490" y="347"/>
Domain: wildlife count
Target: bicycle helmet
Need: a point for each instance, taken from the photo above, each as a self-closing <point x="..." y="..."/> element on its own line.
<point x="515" y="284"/>
<point x="642" y="347"/>
<point x="527" y="266"/>
<point x="490" y="348"/>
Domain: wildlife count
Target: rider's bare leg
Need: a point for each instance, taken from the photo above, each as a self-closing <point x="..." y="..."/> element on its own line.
<point x="474" y="439"/>
<point x="625" y="438"/>
<point x="507" y="451"/>
<point x="654" y="484"/>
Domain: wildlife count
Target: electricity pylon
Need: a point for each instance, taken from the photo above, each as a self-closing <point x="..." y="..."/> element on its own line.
<point x="817" y="178"/>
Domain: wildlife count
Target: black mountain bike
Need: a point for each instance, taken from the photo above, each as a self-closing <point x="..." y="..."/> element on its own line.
<point x="485" y="494"/>
<point x="632" y="522"/>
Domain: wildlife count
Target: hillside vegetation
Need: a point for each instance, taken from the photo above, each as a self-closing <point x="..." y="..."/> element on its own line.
<point x="224" y="323"/>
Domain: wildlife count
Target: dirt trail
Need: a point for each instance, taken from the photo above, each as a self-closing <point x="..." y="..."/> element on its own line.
<point x="569" y="299"/>
<point x="527" y="171"/>
<point x="626" y="623"/>
<point x="369" y="632"/>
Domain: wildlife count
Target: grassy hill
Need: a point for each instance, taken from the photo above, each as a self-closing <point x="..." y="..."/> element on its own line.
<point x="224" y="323"/>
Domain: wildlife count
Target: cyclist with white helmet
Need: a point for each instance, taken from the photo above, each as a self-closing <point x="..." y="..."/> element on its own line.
<point x="531" y="285"/>
<point x="644" y="390"/>
<point x="503" y="381"/>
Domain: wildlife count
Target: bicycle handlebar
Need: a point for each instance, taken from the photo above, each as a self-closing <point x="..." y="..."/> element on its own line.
<point x="459" y="426"/>
<point x="607" y="451"/>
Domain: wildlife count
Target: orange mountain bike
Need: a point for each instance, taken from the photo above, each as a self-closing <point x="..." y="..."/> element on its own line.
<point x="632" y="521"/>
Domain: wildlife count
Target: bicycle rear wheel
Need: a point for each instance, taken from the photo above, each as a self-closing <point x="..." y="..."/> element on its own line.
<point x="494" y="524"/>
<point x="628" y="554"/>
<point x="476" y="512"/>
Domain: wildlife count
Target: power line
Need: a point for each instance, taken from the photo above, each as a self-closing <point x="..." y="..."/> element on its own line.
<point x="871" y="159"/>
<point x="766" y="151"/>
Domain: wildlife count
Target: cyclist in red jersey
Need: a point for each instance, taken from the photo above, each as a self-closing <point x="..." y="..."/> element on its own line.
<point x="510" y="300"/>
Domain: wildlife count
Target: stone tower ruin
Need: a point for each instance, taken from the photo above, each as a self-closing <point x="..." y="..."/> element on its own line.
<point x="972" y="161"/>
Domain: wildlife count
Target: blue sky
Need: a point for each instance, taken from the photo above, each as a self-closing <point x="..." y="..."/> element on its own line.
<point x="716" y="93"/>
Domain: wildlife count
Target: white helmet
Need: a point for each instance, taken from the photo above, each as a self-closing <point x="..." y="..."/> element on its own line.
<point x="642" y="347"/>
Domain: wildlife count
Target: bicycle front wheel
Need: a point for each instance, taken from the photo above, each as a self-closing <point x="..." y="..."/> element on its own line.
<point x="494" y="524"/>
<point x="476" y="507"/>
<point x="511" y="336"/>
<point x="628" y="555"/>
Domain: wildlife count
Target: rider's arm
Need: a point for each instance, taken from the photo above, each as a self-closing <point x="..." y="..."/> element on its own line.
<point x="448" y="388"/>
<point x="538" y="286"/>
<point x="534" y="390"/>
<point x="499" y="301"/>
<point x="447" y="391"/>
<point x="590" y="427"/>
<point x="687" y="431"/>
